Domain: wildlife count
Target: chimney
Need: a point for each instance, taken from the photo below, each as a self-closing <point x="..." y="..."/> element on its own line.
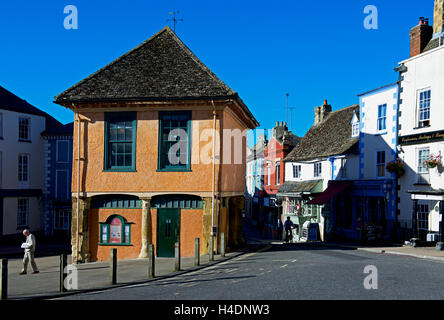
<point x="420" y="36"/>
<point x="322" y="112"/>
<point x="438" y="17"/>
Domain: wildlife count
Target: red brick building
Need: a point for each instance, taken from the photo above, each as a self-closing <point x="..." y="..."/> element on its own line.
<point x="279" y="146"/>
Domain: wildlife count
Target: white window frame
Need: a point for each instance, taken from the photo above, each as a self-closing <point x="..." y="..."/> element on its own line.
<point x="20" y="172"/>
<point x="28" y="138"/>
<point x="424" y="123"/>
<point x="22" y="214"/>
<point x="355" y="129"/>
<point x="423" y="172"/>
<point x="382" y="118"/>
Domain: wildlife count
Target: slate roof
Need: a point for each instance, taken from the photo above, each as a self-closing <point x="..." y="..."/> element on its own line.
<point x="60" y="130"/>
<point x="161" y="68"/>
<point x="330" y="137"/>
<point x="11" y="102"/>
<point x="299" y="186"/>
<point x="433" y="44"/>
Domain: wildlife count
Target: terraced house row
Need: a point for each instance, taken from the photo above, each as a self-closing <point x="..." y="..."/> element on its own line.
<point x="371" y="171"/>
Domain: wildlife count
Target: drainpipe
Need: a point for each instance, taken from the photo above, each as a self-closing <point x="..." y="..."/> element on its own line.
<point x="78" y="183"/>
<point x="214" y="168"/>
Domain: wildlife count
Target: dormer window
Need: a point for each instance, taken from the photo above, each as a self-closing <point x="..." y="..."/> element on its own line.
<point x="355" y="130"/>
<point x="355" y="124"/>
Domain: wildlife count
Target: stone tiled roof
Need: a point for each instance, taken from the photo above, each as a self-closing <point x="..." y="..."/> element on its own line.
<point x="330" y="137"/>
<point x="161" y="68"/>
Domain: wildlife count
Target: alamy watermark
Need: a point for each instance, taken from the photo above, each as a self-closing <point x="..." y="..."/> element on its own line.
<point x="371" y="281"/>
<point x="371" y="20"/>
<point x="72" y="280"/>
<point x="71" y="21"/>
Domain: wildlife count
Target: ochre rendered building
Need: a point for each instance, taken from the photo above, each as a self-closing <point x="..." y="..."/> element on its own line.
<point x="143" y="170"/>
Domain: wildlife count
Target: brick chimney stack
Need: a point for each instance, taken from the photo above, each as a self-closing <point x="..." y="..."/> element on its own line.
<point x="438" y="17"/>
<point x="322" y="112"/>
<point x="420" y="36"/>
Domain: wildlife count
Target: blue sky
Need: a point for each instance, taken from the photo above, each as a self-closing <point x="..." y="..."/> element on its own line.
<point x="314" y="50"/>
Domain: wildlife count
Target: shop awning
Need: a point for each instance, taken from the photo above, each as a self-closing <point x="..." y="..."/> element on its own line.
<point x="335" y="188"/>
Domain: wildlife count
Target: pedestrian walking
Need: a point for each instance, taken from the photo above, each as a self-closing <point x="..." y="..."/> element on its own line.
<point x="29" y="247"/>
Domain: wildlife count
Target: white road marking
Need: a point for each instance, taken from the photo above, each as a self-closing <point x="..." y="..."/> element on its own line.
<point x="284" y="266"/>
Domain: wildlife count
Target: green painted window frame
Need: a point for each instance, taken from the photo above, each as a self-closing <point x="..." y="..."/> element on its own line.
<point x="116" y="202"/>
<point x="107" y="224"/>
<point x="122" y="117"/>
<point x="162" y="167"/>
<point x="177" y="202"/>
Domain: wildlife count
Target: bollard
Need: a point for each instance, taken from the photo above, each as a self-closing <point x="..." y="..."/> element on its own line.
<point x="4" y="279"/>
<point x="177" y="256"/>
<point x="113" y="266"/>
<point x="222" y="244"/>
<point x="197" y="252"/>
<point x="63" y="275"/>
<point x="211" y="249"/>
<point x="152" y="262"/>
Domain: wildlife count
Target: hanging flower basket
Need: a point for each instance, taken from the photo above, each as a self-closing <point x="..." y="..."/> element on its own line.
<point x="396" y="167"/>
<point x="433" y="162"/>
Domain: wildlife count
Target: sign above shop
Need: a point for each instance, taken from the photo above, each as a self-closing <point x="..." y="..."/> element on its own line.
<point x="422" y="138"/>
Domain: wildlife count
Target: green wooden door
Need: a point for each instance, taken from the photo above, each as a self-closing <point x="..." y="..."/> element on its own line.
<point x="168" y="222"/>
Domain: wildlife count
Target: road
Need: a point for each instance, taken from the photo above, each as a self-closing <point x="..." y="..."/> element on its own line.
<point x="294" y="272"/>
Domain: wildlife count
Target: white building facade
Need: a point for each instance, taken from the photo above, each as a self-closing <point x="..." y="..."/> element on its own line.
<point x="21" y="165"/>
<point x="421" y="137"/>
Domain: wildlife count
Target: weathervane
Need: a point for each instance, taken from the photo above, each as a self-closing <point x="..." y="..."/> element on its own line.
<point x="175" y="21"/>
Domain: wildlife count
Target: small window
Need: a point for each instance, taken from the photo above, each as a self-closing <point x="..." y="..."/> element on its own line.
<point x="423" y="217"/>
<point x="62" y="219"/>
<point x="297" y="171"/>
<point x="278" y="173"/>
<point x="174" y="140"/>
<point x="120" y="141"/>
<point x="115" y="231"/>
<point x="380" y="163"/>
<point x="22" y="212"/>
<point x="382" y="117"/>
<point x="63" y="151"/>
<point x="344" y="168"/>
<point x="424" y="108"/>
<point x="318" y="169"/>
<point x="24" y="129"/>
<point x="423" y="172"/>
<point x="23" y="168"/>
<point x="355" y="129"/>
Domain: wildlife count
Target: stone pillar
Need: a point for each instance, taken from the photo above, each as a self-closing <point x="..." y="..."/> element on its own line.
<point x="146" y="228"/>
<point x="206" y="225"/>
<point x="83" y="232"/>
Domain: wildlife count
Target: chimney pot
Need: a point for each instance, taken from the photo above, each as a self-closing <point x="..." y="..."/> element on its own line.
<point x="420" y="36"/>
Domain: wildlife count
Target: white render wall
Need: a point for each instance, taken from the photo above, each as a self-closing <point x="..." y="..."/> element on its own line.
<point x="424" y="71"/>
<point x="10" y="148"/>
<point x="372" y="140"/>
<point x="307" y="172"/>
